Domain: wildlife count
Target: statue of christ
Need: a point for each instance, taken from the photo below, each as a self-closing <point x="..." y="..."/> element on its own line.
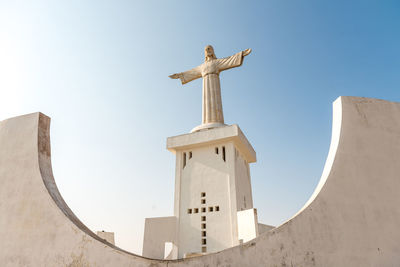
<point x="209" y="70"/>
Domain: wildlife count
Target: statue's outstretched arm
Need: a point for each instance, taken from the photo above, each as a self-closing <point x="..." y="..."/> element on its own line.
<point x="233" y="61"/>
<point x="246" y="52"/>
<point x="176" y="76"/>
<point x="187" y="76"/>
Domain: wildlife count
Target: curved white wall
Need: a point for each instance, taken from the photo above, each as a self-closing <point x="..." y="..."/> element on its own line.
<point x="352" y="221"/>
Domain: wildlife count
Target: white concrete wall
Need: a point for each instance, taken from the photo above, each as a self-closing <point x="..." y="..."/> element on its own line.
<point x="244" y="197"/>
<point x="352" y="219"/>
<point x="158" y="231"/>
<point x="205" y="172"/>
<point x="108" y="236"/>
<point x="198" y="168"/>
<point x="262" y="228"/>
<point x="36" y="225"/>
<point x="238" y="152"/>
<point x="247" y="225"/>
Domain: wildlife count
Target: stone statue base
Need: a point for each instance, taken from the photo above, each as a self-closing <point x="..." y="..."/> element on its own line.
<point x="206" y="126"/>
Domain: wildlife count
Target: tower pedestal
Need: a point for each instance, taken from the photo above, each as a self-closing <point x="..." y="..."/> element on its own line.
<point x="213" y="204"/>
<point x="212" y="184"/>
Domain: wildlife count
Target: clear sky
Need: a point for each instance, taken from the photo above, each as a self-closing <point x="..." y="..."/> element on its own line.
<point x="100" y="70"/>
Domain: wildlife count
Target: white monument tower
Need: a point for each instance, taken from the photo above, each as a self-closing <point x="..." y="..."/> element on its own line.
<point x="213" y="207"/>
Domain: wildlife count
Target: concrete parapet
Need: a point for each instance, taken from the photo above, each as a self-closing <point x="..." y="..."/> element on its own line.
<point x="352" y="219"/>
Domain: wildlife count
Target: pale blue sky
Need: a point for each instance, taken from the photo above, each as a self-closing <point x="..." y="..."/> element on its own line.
<point x="100" y="70"/>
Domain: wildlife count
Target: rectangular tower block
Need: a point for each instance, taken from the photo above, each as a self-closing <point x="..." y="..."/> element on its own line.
<point x="212" y="184"/>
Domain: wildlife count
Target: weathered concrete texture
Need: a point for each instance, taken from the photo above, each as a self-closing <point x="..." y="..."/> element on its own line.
<point x="36" y="225"/>
<point x="352" y="219"/>
<point x="107" y="236"/>
<point x="262" y="228"/>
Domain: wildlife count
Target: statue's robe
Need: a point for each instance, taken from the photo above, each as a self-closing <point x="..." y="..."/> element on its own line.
<point x="209" y="70"/>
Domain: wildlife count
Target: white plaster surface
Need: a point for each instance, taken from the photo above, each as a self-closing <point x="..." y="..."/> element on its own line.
<point x="262" y="228"/>
<point x="158" y="231"/>
<point x="352" y="220"/>
<point x="108" y="236"/>
<point x="212" y="163"/>
<point x="36" y="225"/>
<point x="247" y="224"/>
<point x="214" y="136"/>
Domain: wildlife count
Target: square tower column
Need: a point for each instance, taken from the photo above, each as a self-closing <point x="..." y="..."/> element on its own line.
<point x="212" y="184"/>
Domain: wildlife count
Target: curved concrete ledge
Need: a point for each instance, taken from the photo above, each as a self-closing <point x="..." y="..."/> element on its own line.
<point x="352" y="219"/>
<point x="36" y="225"/>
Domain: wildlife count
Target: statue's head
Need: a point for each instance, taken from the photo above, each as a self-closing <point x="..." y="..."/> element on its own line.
<point x="209" y="53"/>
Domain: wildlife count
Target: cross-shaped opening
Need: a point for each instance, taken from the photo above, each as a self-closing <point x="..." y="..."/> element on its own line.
<point x="203" y="219"/>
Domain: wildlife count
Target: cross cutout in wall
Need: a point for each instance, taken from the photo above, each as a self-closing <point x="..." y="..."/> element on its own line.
<point x="203" y="210"/>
